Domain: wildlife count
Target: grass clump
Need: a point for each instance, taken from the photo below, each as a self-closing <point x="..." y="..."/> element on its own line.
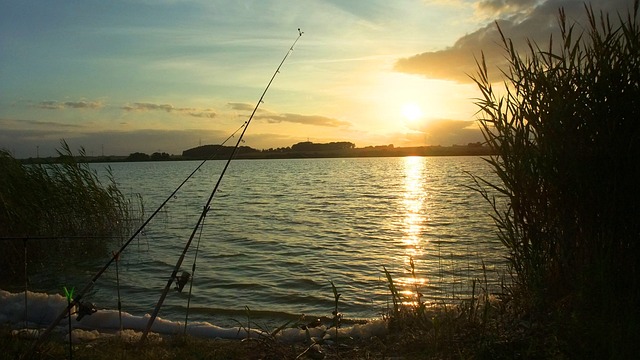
<point x="477" y="327"/>
<point x="66" y="199"/>
<point x="567" y="135"/>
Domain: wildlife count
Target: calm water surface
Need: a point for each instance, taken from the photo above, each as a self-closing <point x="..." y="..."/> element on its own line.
<point x="280" y="230"/>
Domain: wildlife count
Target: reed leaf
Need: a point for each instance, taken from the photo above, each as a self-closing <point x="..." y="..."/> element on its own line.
<point x="567" y="138"/>
<point x="65" y="199"/>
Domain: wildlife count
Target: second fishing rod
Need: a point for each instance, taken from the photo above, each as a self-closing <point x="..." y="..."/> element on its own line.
<point x="206" y="207"/>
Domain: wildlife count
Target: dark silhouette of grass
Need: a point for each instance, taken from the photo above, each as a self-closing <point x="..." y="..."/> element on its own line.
<point x="567" y="135"/>
<point x="50" y="202"/>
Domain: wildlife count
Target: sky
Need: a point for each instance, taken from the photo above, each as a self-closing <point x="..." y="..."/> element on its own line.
<point x="123" y="76"/>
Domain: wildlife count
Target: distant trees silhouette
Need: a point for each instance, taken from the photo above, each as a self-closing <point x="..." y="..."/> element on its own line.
<point x="216" y="151"/>
<point x="332" y="146"/>
<point x="221" y="152"/>
<point x="160" y="156"/>
<point x="138" y="156"/>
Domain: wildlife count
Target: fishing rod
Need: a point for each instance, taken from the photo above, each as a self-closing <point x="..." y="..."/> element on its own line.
<point x="193" y="274"/>
<point x="116" y="255"/>
<point x="208" y="203"/>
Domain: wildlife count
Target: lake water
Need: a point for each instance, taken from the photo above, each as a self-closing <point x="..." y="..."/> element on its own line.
<point x="280" y="230"/>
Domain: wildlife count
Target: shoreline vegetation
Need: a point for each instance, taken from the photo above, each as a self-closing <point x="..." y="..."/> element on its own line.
<point x="567" y="138"/>
<point x="303" y="150"/>
<point x="65" y="200"/>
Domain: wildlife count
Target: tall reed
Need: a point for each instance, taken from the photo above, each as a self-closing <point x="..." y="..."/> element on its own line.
<point x="567" y="135"/>
<point x="66" y="199"/>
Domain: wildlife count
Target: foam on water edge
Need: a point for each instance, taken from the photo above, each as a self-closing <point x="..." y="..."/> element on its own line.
<point x="43" y="308"/>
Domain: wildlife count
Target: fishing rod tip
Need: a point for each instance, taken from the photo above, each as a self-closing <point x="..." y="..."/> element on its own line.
<point x="300" y="32"/>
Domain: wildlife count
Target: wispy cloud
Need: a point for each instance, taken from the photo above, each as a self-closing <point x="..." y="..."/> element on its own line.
<point x="36" y="124"/>
<point x="205" y="113"/>
<point x="143" y="107"/>
<point x="60" y="105"/>
<point x="148" y="107"/>
<point x="447" y="132"/>
<point x="303" y="119"/>
<point x="276" y="118"/>
<point x="241" y="106"/>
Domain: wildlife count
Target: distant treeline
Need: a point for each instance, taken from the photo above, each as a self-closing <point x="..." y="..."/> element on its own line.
<point x="309" y="149"/>
<point x="304" y="149"/>
<point x="216" y="152"/>
<point x="332" y="146"/>
<point x="156" y="156"/>
<point x="219" y="151"/>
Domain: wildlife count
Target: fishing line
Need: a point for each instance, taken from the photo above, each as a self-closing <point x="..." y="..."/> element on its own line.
<point x="207" y="205"/>
<point x="93" y="280"/>
<point x="26" y="284"/>
<point x="118" y="288"/>
<point x="193" y="274"/>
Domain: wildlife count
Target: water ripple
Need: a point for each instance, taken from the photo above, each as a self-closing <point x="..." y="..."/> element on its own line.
<point x="280" y="230"/>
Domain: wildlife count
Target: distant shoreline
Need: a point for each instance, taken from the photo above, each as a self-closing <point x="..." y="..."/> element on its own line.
<point x="252" y="154"/>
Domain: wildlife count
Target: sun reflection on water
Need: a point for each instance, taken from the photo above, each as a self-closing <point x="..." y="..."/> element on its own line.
<point x="414" y="198"/>
<point x="414" y="223"/>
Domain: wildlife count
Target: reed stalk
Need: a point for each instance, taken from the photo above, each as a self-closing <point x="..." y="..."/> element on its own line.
<point x="567" y="137"/>
<point x="62" y="200"/>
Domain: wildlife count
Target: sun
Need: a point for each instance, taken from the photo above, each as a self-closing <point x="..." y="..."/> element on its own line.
<point x="411" y="111"/>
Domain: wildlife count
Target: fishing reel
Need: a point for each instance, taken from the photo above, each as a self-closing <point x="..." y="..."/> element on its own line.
<point x="85" y="308"/>
<point x="182" y="280"/>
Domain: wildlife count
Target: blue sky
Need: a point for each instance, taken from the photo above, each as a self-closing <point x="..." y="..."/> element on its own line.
<point x="122" y="76"/>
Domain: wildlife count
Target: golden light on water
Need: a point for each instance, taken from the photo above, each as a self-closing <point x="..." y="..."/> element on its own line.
<point x="414" y="193"/>
<point x="414" y="223"/>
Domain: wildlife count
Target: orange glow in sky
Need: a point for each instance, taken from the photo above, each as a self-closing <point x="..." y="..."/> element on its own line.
<point x="166" y="76"/>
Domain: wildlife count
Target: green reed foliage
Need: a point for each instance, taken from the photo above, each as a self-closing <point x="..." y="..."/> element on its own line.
<point x="336" y="320"/>
<point x="567" y="135"/>
<point x="59" y="200"/>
